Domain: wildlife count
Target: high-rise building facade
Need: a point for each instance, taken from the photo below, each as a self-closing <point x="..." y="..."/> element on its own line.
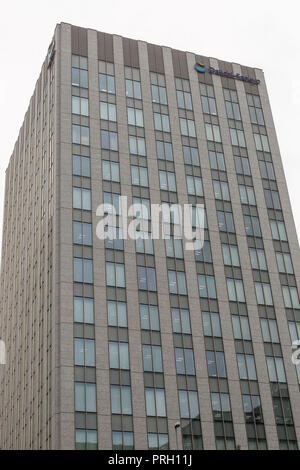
<point x="112" y="343"/>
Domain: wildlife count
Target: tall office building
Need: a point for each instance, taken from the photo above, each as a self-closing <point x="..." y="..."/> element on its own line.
<point x="112" y="343"/>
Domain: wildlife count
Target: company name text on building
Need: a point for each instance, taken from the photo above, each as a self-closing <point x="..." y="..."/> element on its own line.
<point x="200" y="67"/>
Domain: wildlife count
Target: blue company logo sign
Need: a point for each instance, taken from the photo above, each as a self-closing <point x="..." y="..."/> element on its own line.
<point x="200" y="67"/>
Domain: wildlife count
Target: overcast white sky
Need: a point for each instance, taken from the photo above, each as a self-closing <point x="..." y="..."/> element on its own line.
<point x="261" y="33"/>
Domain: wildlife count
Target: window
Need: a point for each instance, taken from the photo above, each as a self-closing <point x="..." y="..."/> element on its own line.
<point x="272" y="199"/>
<point x="113" y="238"/>
<point x="217" y="161"/>
<point x="167" y="181"/>
<point x="139" y="176"/>
<point x="144" y="243"/>
<point x="174" y="247"/>
<point x="161" y="122"/>
<point x="110" y="171"/>
<point x="252" y="409"/>
<point x="80" y="106"/>
<point x="242" y="165"/>
<point x="83" y="310"/>
<point x="204" y="255"/>
<point x="237" y="137"/>
<point x="109" y="140"/>
<point x="294" y="328"/>
<point x="135" y="117"/>
<point x="137" y="145"/>
<point x="258" y="259"/>
<point x="194" y="185"/>
<point x="152" y="358"/>
<point x="221" y="190"/>
<point x="181" y="320"/>
<point x="263" y="293"/>
<point x="276" y="369"/>
<point x="80" y="135"/>
<point x="235" y="290"/>
<point x="256" y="114"/>
<point x="216" y="364"/>
<point x="122" y="440"/>
<point x="198" y="217"/>
<point x="187" y="127"/>
<point x="81" y="166"/>
<point x="230" y="255"/>
<point x="83" y="270"/>
<point x="106" y="77"/>
<point x="164" y="150"/>
<point x="290" y="297"/>
<point x="117" y="313"/>
<point x="158" y="441"/>
<point x="133" y="89"/>
<point x="115" y="274"/>
<point x="120" y="399"/>
<point x="232" y="105"/>
<point x="209" y="105"/>
<point x="190" y="155"/>
<point x="191" y="441"/>
<point x="247" y="195"/>
<point x="211" y="324"/>
<point x="141" y="208"/>
<point x="261" y="143"/>
<point x="184" y="98"/>
<point x="108" y="111"/>
<point x="207" y="287"/>
<point x="252" y="226"/>
<point x="269" y="330"/>
<point x="184" y="361"/>
<point x="170" y="213"/>
<point x="81" y="199"/>
<point x="112" y="203"/>
<point x="107" y="83"/>
<point x="177" y="282"/>
<point x="241" y="328"/>
<point x="188" y="404"/>
<point x="246" y="366"/>
<point x="227" y="443"/>
<point x="213" y="132"/>
<point x="283" y="411"/>
<point x="118" y="355"/>
<point x="225" y="222"/>
<point x="149" y="317"/>
<point x="159" y="94"/>
<point x="221" y="406"/>
<point x="85" y="397"/>
<point x="146" y="279"/>
<point x="285" y="444"/>
<point x="267" y="170"/>
<point x="86" y="439"/>
<point x="84" y="352"/>
<point x="82" y="233"/>
<point x="208" y="99"/>
<point x="155" y="402"/>
<point x="79" y="71"/>
<point x="278" y="230"/>
<point x="284" y="262"/>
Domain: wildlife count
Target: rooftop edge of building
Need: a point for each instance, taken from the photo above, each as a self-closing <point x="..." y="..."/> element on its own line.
<point x="160" y="45"/>
<point x="62" y="23"/>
